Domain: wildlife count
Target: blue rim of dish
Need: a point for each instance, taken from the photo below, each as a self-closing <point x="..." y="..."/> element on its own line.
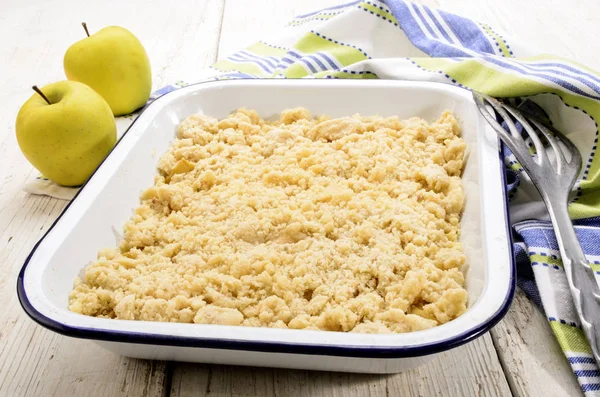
<point x="388" y="352"/>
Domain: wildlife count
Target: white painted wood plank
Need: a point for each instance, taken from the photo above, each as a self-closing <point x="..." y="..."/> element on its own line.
<point x="567" y="29"/>
<point x="470" y="370"/>
<point x="533" y="362"/>
<point x="36" y="52"/>
<point x="479" y="368"/>
<point x="37" y="362"/>
<point x="228" y="381"/>
<point x="532" y="359"/>
<point x="245" y="23"/>
<point x="178" y="38"/>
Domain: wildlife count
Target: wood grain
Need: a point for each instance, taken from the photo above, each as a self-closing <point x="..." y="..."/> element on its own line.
<point x="532" y="360"/>
<point x="37" y="362"/>
<point x="227" y="381"/>
<point x="34" y="361"/>
<point x="244" y="25"/>
<point x="549" y="26"/>
<point x="470" y="370"/>
<point x="529" y="353"/>
<point x="182" y="38"/>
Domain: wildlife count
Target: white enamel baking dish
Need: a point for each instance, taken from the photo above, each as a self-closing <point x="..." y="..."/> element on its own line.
<point x="94" y="217"/>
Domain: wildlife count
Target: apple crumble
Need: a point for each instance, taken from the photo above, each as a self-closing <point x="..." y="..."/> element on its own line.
<point x="347" y="224"/>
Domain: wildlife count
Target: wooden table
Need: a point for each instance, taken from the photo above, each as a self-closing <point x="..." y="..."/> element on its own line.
<point x="519" y="356"/>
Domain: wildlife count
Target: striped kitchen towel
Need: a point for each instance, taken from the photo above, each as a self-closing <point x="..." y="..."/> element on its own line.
<point x="395" y="39"/>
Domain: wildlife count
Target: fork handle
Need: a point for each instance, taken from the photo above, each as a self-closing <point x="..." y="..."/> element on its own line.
<point x="580" y="276"/>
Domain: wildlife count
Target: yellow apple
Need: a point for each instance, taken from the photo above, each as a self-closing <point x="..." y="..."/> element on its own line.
<point x="114" y="63"/>
<point x="65" y="130"/>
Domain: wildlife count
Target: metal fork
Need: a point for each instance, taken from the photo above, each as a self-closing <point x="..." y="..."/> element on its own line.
<point x="554" y="178"/>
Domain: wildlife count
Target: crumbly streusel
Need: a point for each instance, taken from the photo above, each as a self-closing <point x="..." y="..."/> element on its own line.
<point x="348" y="224"/>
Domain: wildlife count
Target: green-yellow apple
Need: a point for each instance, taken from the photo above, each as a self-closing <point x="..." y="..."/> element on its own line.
<point x="114" y="63"/>
<point x="65" y="130"/>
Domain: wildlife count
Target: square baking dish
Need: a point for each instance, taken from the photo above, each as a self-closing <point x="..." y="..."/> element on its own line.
<point x="94" y="219"/>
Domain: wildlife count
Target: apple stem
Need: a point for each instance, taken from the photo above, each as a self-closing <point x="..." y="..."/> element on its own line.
<point x="36" y="89"/>
<point x="85" y="28"/>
